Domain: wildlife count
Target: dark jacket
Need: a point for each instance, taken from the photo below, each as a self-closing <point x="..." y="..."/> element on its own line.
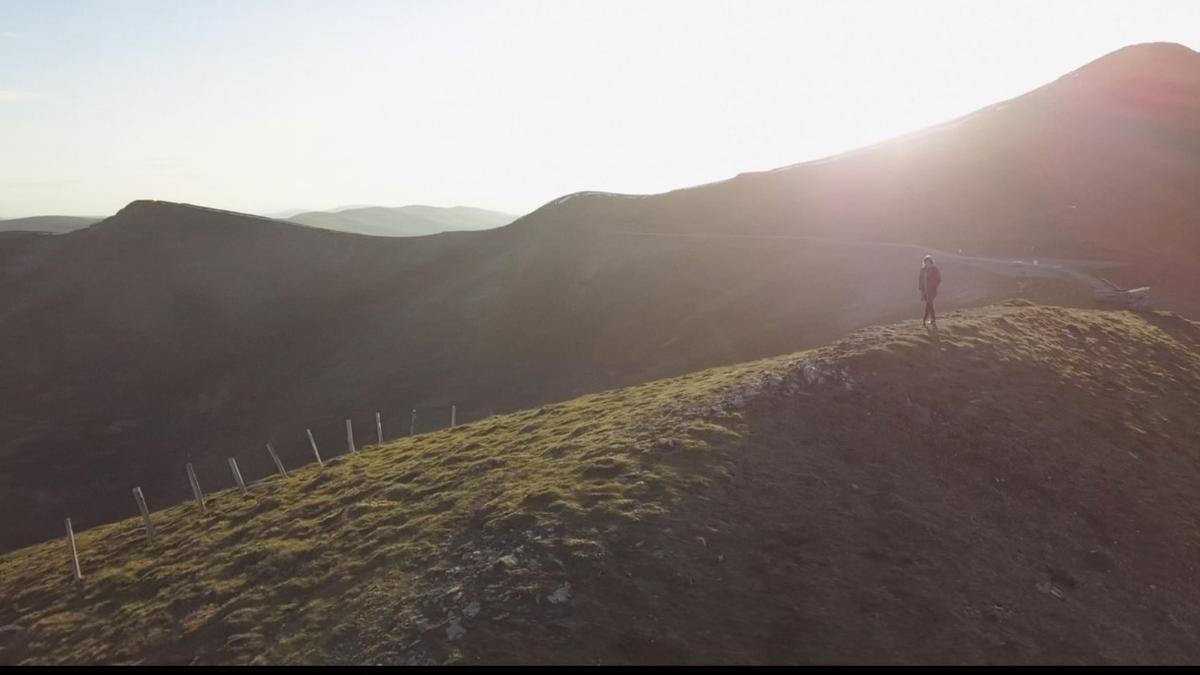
<point x="928" y="281"/>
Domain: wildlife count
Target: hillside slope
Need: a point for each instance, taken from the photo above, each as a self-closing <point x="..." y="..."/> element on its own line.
<point x="1017" y="488"/>
<point x="404" y="221"/>
<point x="1100" y="164"/>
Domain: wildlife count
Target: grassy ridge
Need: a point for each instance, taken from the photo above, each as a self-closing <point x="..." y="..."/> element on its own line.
<point x="1005" y="490"/>
<point x="273" y="576"/>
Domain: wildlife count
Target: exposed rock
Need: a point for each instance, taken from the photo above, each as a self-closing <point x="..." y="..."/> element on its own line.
<point x="1051" y="589"/>
<point x="561" y="594"/>
<point x="454" y="629"/>
<point x="812" y="374"/>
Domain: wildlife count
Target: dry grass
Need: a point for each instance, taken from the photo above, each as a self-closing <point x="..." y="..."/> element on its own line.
<point x="275" y="575"/>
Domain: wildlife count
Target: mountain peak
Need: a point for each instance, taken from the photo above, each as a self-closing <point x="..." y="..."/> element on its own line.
<point x="152" y="213"/>
<point x="155" y="207"/>
<point x="1152" y="51"/>
<point x="1151" y="64"/>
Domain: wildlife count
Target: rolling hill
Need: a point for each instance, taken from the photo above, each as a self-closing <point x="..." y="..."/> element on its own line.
<point x="172" y="333"/>
<point x="403" y="221"/>
<point x="1016" y="488"/>
<point x="51" y="224"/>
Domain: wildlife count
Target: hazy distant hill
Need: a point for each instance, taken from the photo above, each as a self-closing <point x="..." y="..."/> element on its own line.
<point x="55" y="224"/>
<point x="403" y="221"/>
<point x="171" y="333"/>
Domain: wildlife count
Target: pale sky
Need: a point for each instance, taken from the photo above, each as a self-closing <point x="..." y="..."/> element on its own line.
<point x="263" y="105"/>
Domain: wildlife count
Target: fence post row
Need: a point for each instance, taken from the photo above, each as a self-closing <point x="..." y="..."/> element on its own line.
<point x="141" y="502"/>
<point x="275" y="458"/>
<point x="74" y="551"/>
<point x="140" y="497"/>
<point x="191" y="472"/>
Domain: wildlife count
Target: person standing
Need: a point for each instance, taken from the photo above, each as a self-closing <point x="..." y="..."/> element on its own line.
<point x="928" y="281"/>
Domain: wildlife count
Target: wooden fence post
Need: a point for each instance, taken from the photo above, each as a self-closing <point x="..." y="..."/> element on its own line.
<point x="74" y="551"/>
<point x="453" y="413"/>
<point x="191" y="472"/>
<point x="350" y="436"/>
<point x="237" y="476"/>
<point x="412" y="425"/>
<point x="141" y="502"/>
<point x="313" y="442"/>
<point x="378" y="429"/>
<point x="275" y="458"/>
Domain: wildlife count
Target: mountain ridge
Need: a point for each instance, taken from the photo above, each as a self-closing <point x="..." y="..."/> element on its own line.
<point x="411" y="220"/>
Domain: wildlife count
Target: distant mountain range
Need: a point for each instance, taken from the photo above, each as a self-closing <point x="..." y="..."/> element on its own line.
<point x="171" y="333"/>
<point x="380" y="221"/>
<point x="53" y="224"/>
<point x="403" y="221"/>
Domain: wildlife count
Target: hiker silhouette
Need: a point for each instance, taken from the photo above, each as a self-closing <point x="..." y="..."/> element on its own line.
<point x="928" y="281"/>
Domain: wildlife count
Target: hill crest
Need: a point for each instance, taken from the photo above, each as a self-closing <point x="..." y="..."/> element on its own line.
<point x="949" y="491"/>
